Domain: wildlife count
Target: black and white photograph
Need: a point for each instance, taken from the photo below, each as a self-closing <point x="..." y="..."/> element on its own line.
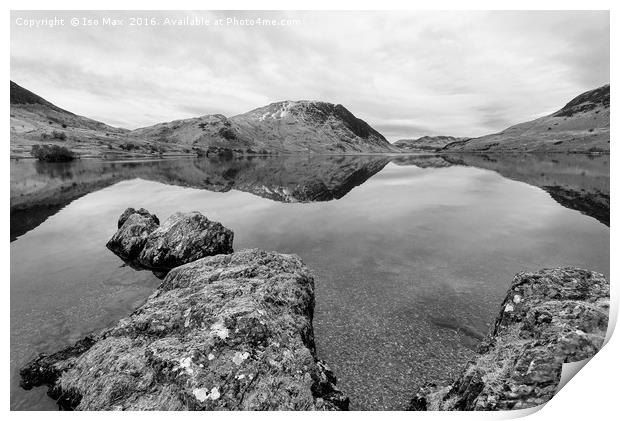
<point x="306" y="210"/>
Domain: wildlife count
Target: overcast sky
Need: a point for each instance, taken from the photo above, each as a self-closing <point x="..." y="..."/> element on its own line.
<point x="407" y="74"/>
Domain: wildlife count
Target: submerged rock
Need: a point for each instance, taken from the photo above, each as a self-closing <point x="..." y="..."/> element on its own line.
<point x="548" y="318"/>
<point x="182" y="238"/>
<point x="229" y="332"/>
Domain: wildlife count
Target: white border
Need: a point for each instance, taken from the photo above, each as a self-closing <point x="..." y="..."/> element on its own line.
<point x="591" y="394"/>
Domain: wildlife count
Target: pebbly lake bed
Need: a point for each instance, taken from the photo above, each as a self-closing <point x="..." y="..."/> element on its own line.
<point x="412" y="255"/>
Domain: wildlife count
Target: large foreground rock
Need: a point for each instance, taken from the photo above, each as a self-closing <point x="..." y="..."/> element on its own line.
<point x="182" y="238"/>
<point x="224" y="332"/>
<point x="548" y="318"/>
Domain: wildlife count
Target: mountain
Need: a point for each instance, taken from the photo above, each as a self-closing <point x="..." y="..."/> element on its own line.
<point x="426" y="143"/>
<point x="310" y="126"/>
<point x="281" y="127"/>
<point x="582" y="125"/>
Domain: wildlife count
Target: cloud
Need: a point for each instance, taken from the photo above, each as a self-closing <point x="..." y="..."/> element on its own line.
<point x="406" y="73"/>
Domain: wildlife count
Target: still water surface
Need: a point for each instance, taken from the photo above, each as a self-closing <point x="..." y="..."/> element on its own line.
<point x="412" y="257"/>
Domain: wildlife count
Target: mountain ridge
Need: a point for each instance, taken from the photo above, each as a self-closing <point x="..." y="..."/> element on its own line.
<point x="295" y="126"/>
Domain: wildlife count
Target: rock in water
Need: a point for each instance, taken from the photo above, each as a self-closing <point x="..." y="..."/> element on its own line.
<point x="130" y="211"/>
<point x="547" y="318"/>
<point x="182" y="238"/>
<point x="224" y="332"/>
<point x="129" y="240"/>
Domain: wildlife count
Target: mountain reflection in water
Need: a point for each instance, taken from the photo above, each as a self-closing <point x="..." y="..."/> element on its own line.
<point x="40" y="189"/>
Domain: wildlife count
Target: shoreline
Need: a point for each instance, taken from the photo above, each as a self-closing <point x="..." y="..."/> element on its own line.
<point x="276" y="155"/>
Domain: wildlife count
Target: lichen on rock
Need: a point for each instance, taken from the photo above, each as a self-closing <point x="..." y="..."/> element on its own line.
<point x="172" y="354"/>
<point x="548" y="318"/>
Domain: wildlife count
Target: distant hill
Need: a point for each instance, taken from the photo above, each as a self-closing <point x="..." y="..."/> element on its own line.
<point x="281" y="127"/>
<point x="426" y="143"/>
<point x="582" y="125"/>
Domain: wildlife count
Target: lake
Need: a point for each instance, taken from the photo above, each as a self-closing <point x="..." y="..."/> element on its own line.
<point x="412" y="255"/>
